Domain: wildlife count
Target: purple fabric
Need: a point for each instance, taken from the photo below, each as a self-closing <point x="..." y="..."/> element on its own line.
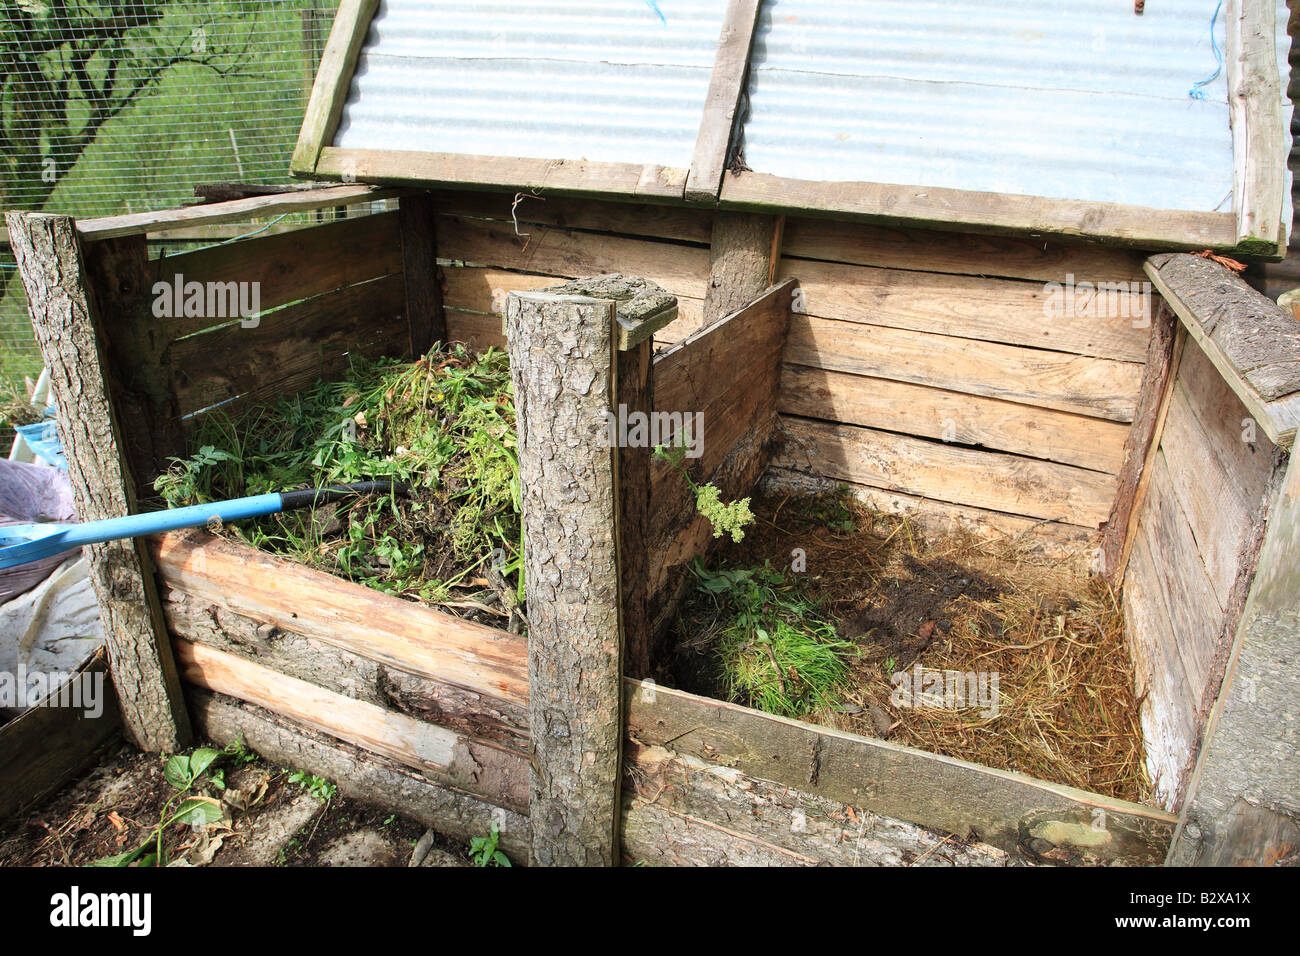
<point x="29" y="494"/>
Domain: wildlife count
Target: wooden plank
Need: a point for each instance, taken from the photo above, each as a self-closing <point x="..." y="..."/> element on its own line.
<point x="683" y="811"/>
<point x="333" y="79"/>
<point x="561" y="347"/>
<point x="1112" y="326"/>
<point x="469" y="713"/>
<point x="1249" y="752"/>
<point x="1195" y="609"/>
<point x="1087" y="386"/>
<point x="972" y="254"/>
<point x="938" y="518"/>
<point x="634" y="393"/>
<point x="1165" y="700"/>
<point x="679" y="223"/>
<point x="296" y="599"/>
<point x="360" y="775"/>
<point x="963" y="210"/>
<point x="964" y="799"/>
<point x="965" y="419"/>
<point x="679" y="269"/>
<point x="238" y="210"/>
<point x="1260" y="138"/>
<point x="1158" y="375"/>
<point x="48" y="746"/>
<point x="560" y="176"/>
<point x="1210" y="495"/>
<point x="1251" y="340"/>
<point x="743" y="256"/>
<point x="291" y="347"/>
<point x="478" y="289"/>
<point x="71" y="336"/>
<point x="726" y="86"/>
<point x="999" y="482"/>
<point x="470" y="766"/>
<point x="424" y="318"/>
<point x="290" y="266"/>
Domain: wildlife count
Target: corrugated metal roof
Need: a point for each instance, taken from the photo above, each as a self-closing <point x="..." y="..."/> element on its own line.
<point x="1071" y="99"/>
<point x="604" y="80"/>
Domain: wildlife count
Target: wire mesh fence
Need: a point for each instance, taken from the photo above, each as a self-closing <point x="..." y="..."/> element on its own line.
<point x="120" y="107"/>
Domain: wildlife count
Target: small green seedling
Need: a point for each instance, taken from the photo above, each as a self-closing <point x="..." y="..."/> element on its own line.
<point x="483" y="850"/>
<point x="318" y="787"/>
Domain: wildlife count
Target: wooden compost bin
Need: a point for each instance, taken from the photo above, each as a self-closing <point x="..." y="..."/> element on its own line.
<point x="818" y="349"/>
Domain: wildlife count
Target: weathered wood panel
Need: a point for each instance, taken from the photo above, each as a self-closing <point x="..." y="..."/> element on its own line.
<point x="967" y="800"/>
<point x="360" y="775"/>
<point x="46" y="747"/>
<point x="1112" y="326"/>
<point x="471" y="766"/>
<point x="1101" y="388"/>
<point x="965" y="419"/>
<point x="681" y="223"/>
<point x="296" y="599"/>
<point x="1009" y="483"/>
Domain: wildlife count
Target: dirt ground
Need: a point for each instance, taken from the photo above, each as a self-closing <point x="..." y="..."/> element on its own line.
<point x="268" y="818"/>
<point x="956" y="606"/>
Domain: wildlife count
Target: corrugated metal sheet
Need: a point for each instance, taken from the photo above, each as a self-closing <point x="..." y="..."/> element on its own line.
<point x="1072" y="99"/>
<point x="604" y="80"/>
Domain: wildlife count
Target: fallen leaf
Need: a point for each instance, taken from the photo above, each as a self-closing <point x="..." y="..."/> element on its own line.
<point x="116" y="820"/>
<point x="1232" y="265"/>
<point x="852" y="816"/>
<point x="926" y="630"/>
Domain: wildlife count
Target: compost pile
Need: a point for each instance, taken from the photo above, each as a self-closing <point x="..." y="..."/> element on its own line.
<point x="444" y="426"/>
<point x="845" y="639"/>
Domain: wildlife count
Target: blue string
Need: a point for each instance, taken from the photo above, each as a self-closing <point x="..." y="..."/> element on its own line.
<point x="655" y="7"/>
<point x="1196" y="92"/>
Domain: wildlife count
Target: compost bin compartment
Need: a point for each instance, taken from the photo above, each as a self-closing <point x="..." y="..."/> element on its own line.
<point x="979" y="442"/>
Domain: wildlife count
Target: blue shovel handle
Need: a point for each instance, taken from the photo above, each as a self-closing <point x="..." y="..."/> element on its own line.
<point x="37" y="541"/>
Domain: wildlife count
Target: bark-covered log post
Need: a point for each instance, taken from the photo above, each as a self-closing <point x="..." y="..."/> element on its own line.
<point x="579" y="354"/>
<point x="72" y="341"/>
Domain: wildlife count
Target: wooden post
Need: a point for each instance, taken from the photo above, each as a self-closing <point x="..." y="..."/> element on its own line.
<point x="563" y="343"/>
<point x="53" y="269"/>
<point x="424" y="313"/>
<point x="1241" y="803"/>
<point x="744" y="253"/>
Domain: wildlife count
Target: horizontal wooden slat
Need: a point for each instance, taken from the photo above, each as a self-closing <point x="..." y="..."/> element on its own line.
<point x="346" y="615"/>
<point x="237" y="210"/>
<point x="1068" y="542"/>
<point x="1013" y="257"/>
<point x="959" y="209"/>
<point x="566" y="212"/>
<point x="289" y="266"/>
<point x="359" y="774"/>
<point x="477" y="289"/>
<point x="497" y="776"/>
<point x="966" y="419"/>
<point x="990" y="310"/>
<point x="680" y="269"/>
<point x="1088" y="386"/>
<point x="332" y="668"/>
<point x="965" y="799"/>
<point x="290" y="347"/>
<point x="999" y="482"/>
<point x="573" y="176"/>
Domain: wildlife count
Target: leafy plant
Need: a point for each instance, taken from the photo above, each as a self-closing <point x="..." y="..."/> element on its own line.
<point x="181" y="483"/>
<point x="483" y="850"/>
<point x="731" y="517"/>
<point x="318" y="787"/>
<point x="182" y="772"/>
<point x="776" y="651"/>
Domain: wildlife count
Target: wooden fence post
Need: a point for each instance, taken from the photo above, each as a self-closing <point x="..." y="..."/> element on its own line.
<point x="53" y="268"/>
<point x="564" y="344"/>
